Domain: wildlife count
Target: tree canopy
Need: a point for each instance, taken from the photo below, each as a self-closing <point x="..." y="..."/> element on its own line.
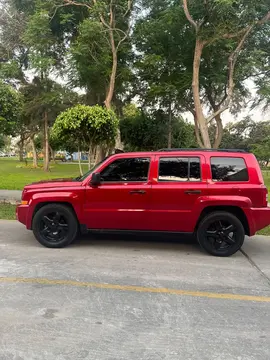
<point x="87" y="126"/>
<point x="10" y="109"/>
<point x="168" y="57"/>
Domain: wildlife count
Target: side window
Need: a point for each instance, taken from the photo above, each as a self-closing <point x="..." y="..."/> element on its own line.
<point x="229" y="169"/>
<point x="179" y="169"/>
<point x="124" y="170"/>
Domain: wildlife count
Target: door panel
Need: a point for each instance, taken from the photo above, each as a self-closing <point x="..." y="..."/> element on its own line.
<point x="118" y="206"/>
<point x="174" y="202"/>
<point x="122" y="202"/>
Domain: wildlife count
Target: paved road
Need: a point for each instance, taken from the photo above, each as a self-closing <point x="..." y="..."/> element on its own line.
<point x="11" y="196"/>
<point x="131" y="299"/>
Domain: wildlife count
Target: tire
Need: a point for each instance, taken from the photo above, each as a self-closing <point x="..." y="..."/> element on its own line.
<point x="221" y="234"/>
<point x="55" y="226"/>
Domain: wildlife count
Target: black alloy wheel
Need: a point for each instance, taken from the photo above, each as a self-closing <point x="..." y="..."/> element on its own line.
<point x="221" y="234"/>
<point x="55" y="225"/>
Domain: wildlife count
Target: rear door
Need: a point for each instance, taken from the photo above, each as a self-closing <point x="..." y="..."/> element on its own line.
<point x="177" y="187"/>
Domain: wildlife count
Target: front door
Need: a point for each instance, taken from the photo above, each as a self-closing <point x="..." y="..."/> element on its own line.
<point x="122" y="199"/>
<point x="176" y="192"/>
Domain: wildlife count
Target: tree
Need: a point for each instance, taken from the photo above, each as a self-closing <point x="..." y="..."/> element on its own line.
<point x="249" y="135"/>
<point x="237" y="135"/>
<point x="214" y="22"/>
<point x="44" y="99"/>
<point x="13" y="51"/>
<point x="262" y="98"/>
<point x="2" y="142"/>
<point x="10" y="109"/>
<point x="87" y="126"/>
<point x="14" y="59"/>
<point x="161" y="66"/>
<point x="42" y="61"/>
<point x="111" y="21"/>
<point x="262" y="151"/>
<point x="142" y="131"/>
<point x="89" y="37"/>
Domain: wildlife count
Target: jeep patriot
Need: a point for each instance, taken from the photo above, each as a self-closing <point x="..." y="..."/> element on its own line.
<point x="218" y="195"/>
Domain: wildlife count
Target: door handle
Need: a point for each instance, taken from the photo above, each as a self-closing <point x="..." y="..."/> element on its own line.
<point x="141" y="192"/>
<point x="190" y="192"/>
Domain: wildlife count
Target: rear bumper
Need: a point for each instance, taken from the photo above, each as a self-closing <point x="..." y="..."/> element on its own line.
<point x="258" y="218"/>
<point x="22" y="215"/>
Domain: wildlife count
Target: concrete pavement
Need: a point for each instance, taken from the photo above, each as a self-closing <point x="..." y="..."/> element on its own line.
<point x="62" y="317"/>
<point x="10" y="196"/>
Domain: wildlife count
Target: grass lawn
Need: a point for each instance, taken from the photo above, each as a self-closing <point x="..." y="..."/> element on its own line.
<point x="7" y="212"/>
<point x="266" y="176"/>
<point x="14" y="176"/>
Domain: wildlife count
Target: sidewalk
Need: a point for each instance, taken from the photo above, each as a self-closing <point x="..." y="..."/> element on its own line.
<point x="10" y="196"/>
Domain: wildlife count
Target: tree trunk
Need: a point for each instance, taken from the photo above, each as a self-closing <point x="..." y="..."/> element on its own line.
<point x="197" y="133"/>
<point x="100" y="154"/>
<point x="170" y="127"/>
<point x="89" y="157"/>
<point x="219" y="132"/>
<point x="21" y="147"/>
<point x="46" y="143"/>
<point x="79" y="160"/>
<point x="200" y="118"/>
<point x="118" y="141"/>
<point x="110" y="92"/>
<point x="95" y="155"/>
<point x="52" y="153"/>
<point x="34" y="150"/>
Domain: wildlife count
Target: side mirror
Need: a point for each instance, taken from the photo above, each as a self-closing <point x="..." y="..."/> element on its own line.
<point x="96" y="179"/>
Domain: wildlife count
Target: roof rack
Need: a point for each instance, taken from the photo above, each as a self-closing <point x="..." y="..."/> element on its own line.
<point x="198" y="149"/>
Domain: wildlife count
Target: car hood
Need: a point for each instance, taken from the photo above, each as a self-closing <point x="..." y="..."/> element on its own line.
<point x="54" y="183"/>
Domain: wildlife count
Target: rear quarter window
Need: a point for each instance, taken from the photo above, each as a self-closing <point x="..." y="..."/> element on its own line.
<point x="229" y="169"/>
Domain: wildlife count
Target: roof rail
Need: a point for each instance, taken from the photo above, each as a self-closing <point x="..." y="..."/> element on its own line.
<point x="198" y="149"/>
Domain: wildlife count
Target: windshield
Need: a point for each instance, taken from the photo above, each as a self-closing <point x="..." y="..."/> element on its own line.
<point x="83" y="177"/>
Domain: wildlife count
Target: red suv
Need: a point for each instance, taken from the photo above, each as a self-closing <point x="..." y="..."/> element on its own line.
<point x="218" y="195"/>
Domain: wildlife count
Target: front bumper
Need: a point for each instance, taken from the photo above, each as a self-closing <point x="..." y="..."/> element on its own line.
<point x="22" y="215"/>
<point x="258" y="218"/>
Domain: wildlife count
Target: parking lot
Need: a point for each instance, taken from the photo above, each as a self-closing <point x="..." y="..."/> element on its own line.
<point x="126" y="298"/>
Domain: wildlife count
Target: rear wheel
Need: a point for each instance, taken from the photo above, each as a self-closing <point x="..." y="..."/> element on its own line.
<point x="221" y="233"/>
<point x="55" y="225"/>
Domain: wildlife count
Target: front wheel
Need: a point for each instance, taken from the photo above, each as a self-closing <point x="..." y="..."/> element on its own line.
<point x="55" y="226"/>
<point x="221" y="233"/>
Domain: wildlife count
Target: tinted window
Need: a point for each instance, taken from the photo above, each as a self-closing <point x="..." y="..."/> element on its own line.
<point x="179" y="169"/>
<point x="194" y="169"/>
<point x="228" y="169"/>
<point x="133" y="169"/>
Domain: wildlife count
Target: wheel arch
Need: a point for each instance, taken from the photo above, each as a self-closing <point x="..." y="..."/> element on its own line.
<point x="235" y="210"/>
<point x="42" y="204"/>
